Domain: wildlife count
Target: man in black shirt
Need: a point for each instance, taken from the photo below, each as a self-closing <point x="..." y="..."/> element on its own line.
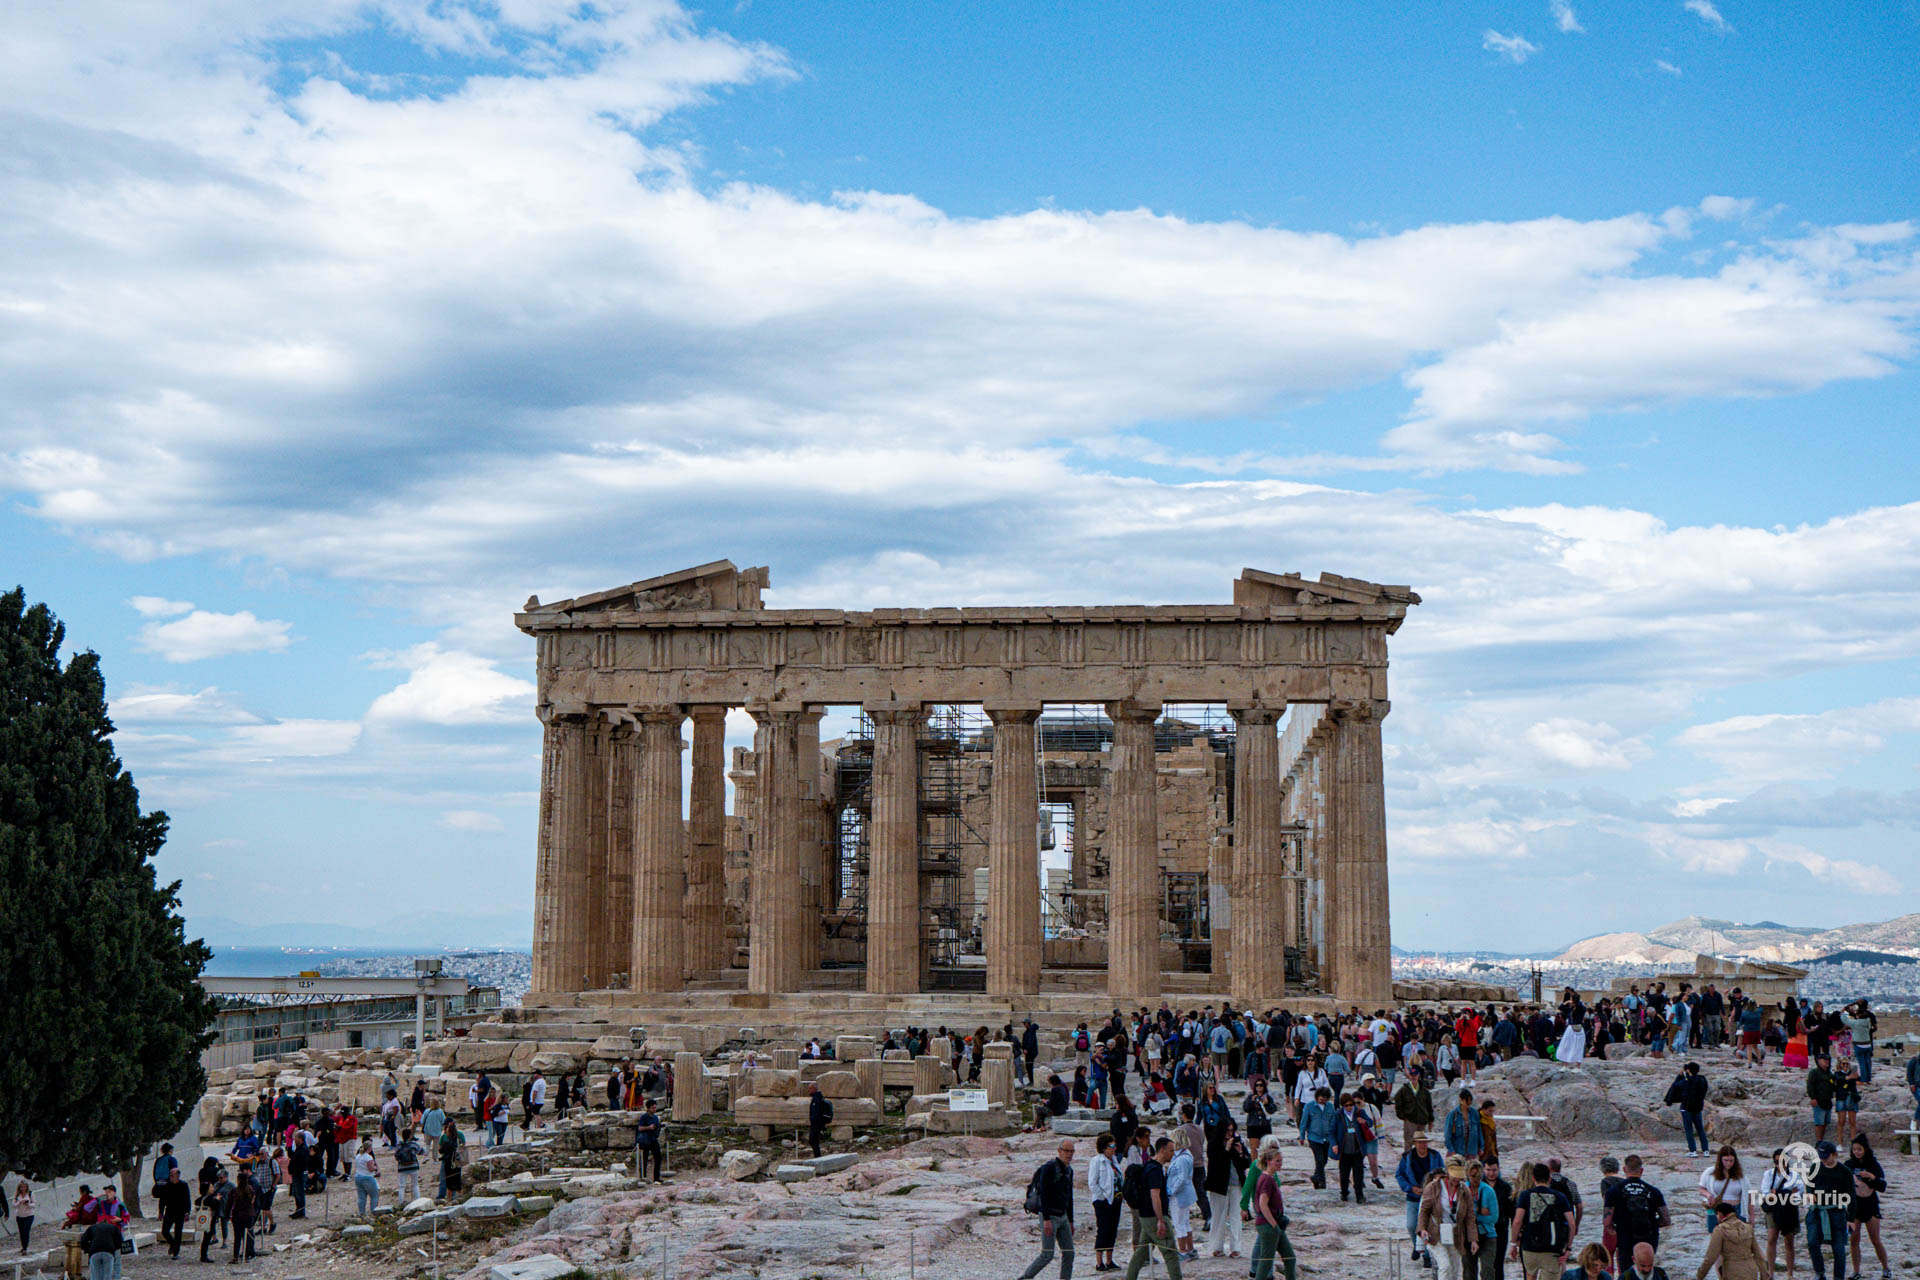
<point x="646" y="1141"/>
<point x="1029" y="1048"/>
<point x="175" y="1201"/>
<point x="1052" y="1187"/>
<point x="819" y="1116"/>
<point x="1545" y="1219"/>
<point x="1503" y="1197"/>
<point x="1832" y="1189"/>
<point x="1639" y="1211"/>
<point x="1153" y="1227"/>
<point x="103" y="1237"/>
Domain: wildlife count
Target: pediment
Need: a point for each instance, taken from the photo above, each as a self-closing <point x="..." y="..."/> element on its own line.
<point x="716" y="585"/>
<point x="1258" y="587"/>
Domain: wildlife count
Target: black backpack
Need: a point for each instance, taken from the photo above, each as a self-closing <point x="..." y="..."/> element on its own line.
<point x="1133" y="1189"/>
<point x="1033" y="1191"/>
<point x="1635" y="1219"/>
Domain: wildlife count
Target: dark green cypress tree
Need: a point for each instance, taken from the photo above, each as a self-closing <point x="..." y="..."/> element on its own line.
<point x="101" y="1019"/>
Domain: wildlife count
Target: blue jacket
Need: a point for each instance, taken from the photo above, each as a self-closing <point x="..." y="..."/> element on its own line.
<point x="1351" y="1135"/>
<point x="1413" y="1173"/>
<point x="1316" y="1121"/>
<point x="1463" y="1133"/>
<point x="1212" y="1114"/>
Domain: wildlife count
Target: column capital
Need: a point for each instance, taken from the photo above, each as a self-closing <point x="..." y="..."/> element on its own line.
<point x="1375" y="710"/>
<point x="1133" y="709"/>
<point x="708" y="711"/>
<point x="909" y="714"/>
<point x="1012" y="713"/>
<point x="1254" y="716"/>
<point x="561" y="712"/>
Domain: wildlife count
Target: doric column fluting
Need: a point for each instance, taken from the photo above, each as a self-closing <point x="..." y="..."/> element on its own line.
<point x="1258" y="937"/>
<point x="1013" y="941"/>
<point x="893" y="853"/>
<point x="615" y="936"/>
<point x="1133" y="857"/>
<point x="809" y="805"/>
<point x="706" y="902"/>
<point x="563" y="907"/>
<point x="773" y="942"/>
<point x="659" y="952"/>
<point x="1363" y="965"/>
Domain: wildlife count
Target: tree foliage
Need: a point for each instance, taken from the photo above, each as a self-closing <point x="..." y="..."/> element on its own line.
<point x="101" y="1019"/>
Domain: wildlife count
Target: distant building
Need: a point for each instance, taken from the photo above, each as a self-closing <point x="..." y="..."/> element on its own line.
<point x="1759" y="979"/>
<point x="246" y="1032"/>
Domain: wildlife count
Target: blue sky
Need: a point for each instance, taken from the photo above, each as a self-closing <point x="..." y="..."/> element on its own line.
<point x="330" y="331"/>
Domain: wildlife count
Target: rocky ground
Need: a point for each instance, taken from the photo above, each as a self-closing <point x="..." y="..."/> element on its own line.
<point x="948" y="1208"/>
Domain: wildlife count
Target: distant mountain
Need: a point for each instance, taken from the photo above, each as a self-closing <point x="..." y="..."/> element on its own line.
<point x="434" y="930"/>
<point x="1767" y="940"/>
<point x="1625" y="948"/>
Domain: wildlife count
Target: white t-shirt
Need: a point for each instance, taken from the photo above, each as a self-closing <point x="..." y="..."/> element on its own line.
<point x="1732" y="1190"/>
<point x="363" y="1165"/>
<point x="539" y="1091"/>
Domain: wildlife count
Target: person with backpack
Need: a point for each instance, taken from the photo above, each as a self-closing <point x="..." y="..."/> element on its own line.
<point x="1689" y="1092"/>
<point x="1050" y="1198"/>
<point x="214" y="1201"/>
<point x="1638" y="1210"/>
<point x="819" y="1116"/>
<point x="1145" y="1189"/>
<point x="453" y="1150"/>
<point x="1418" y="1164"/>
<point x="406" y="1166"/>
<point x="1545" y="1220"/>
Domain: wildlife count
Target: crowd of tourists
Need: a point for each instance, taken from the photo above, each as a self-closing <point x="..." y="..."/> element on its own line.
<point x="1190" y="1171"/>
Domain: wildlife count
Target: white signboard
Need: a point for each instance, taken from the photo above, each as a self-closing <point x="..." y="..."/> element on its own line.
<point x="966" y="1099"/>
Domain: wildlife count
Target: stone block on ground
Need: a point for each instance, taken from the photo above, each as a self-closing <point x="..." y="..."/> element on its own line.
<point x="834" y="1163"/>
<point x="853" y="1048"/>
<point x="738" y="1165"/>
<point x="535" y="1204"/>
<point x="541" y="1266"/>
<point x="422" y="1205"/>
<point x="612" y="1048"/>
<point x="1067" y="1127"/>
<point x="357" y="1229"/>
<point x="839" y="1084"/>
<point x="767" y="1083"/>
<point x="426" y="1222"/>
<point x="490" y="1207"/>
<point x="793" y="1173"/>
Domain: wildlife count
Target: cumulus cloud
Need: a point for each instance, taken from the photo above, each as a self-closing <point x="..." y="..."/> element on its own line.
<point x="451" y="688"/>
<point x="1564" y="17"/>
<point x="202" y="634"/>
<point x="1579" y="744"/>
<point x="159" y="606"/>
<point x="288" y="739"/>
<point x="1759" y="749"/>
<point x="145" y="704"/>
<point x="1707" y="12"/>
<point x="1515" y="48"/>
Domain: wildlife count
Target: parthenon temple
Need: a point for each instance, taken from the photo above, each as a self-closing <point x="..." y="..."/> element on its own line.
<point x="1130" y="802"/>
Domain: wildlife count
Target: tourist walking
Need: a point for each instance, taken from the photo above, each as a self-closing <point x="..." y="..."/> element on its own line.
<point x="214" y="1202"/>
<point x="1689" y="1092"/>
<point x="1103" y="1189"/>
<point x="1733" y="1249"/>
<point x="23" y="1213"/>
<point x="819" y="1116"/>
<point x="173" y="1200"/>
<point x="1780" y="1191"/>
<point x="406" y="1168"/>
<point x="1352" y="1130"/>
<point x="646" y="1141"/>
<point x="1050" y="1197"/>
<point x="1826" y="1217"/>
<point x="1316" y="1130"/>
<point x="1869" y="1180"/>
<point x="1639" y="1210"/>
<point x="1270" y="1217"/>
<point x="1449" y="1223"/>
<point x="1544" y="1217"/>
<point x="1463" y="1135"/>
<point x="1821" y="1087"/>
<point x="1153" y="1222"/>
<point x="1182" y="1194"/>
<point x="242" y="1212"/>
<point x="1591" y="1266"/>
<point x="453" y="1150"/>
<point x="1413" y="1104"/>
<point x="1724" y="1181"/>
<point x="366" y="1179"/>
<point x="1417" y="1166"/>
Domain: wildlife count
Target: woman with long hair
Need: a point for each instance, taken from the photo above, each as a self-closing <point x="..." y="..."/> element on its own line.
<point x="1724" y="1181"/>
<point x="1869" y="1180"/>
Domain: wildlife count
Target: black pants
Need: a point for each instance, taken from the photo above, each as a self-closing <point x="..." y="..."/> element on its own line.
<point x="207" y="1238"/>
<point x="644" y="1153"/>
<point x="1319" y="1163"/>
<point x="1106" y="1223"/>
<point x="814" y="1134"/>
<point x="1206" y="1201"/>
<point x="330" y="1154"/>
<point x="239" y="1232"/>
<point x="1356" y="1167"/>
<point x="26" y="1230"/>
<point x="170" y="1232"/>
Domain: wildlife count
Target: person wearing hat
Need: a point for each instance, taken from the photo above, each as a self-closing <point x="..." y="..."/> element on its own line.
<point x="1449" y="1221"/>
<point x="1420" y="1163"/>
<point x="1832" y="1188"/>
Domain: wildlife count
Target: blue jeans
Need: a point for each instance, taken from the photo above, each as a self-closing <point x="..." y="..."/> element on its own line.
<point x="1828" y="1226"/>
<point x="366" y="1194"/>
<point x="1695" y="1124"/>
<point x="1863" y="1058"/>
<point x="103" y="1266"/>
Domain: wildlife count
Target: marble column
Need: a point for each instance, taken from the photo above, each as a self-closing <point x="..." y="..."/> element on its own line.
<point x="594" y="946"/>
<point x="615" y="936"/>
<point x="812" y="842"/>
<point x="1133" y="857"/>
<point x="773" y="943"/>
<point x="893" y="853"/>
<point x="1260" y="924"/>
<point x="1363" y="965"/>
<point x="659" y="950"/>
<point x="1013" y="857"/>
<point x="706" y="902"/>
<point x="563" y="908"/>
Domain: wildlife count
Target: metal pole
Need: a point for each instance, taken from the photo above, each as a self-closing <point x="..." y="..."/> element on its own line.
<point x="419" y="1020"/>
<point x="910" y="1271"/>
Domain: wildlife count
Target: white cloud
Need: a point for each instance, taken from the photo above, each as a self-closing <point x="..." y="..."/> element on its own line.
<point x="144" y="704"/>
<point x="287" y="739"/>
<point x="451" y="688"/>
<point x="158" y="606"/>
<point x="477" y="821"/>
<point x="1580" y="744"/>
<point x="1709" y="14"/>
<point x="1515" y="48"/>
<point x="202" y="635"/>
<point x="1758" y="749"/>
<point x="1730" y="857"/>
<point x="1564" y="17"/>
<point x="1666" y="68"/>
